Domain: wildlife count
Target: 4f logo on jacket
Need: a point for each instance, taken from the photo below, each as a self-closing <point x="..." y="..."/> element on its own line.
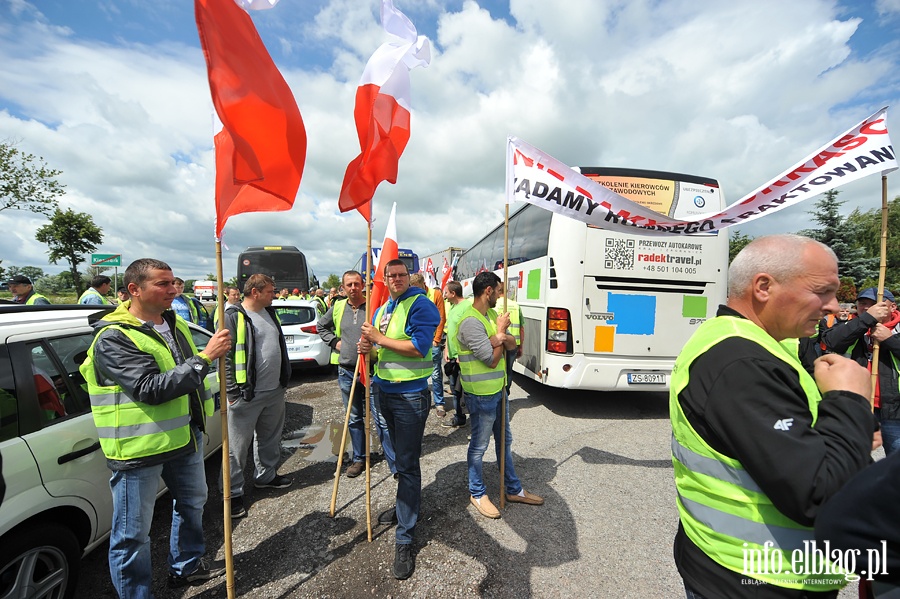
<point x="784" y="424"/>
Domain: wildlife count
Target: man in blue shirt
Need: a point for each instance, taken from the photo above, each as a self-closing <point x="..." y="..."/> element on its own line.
<point x="96" y="293"/>
<point x="402" y="333"/>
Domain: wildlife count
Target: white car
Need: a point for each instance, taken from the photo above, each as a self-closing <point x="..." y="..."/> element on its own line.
<point x="298" y="321"/>
<point x="57" y="505"/>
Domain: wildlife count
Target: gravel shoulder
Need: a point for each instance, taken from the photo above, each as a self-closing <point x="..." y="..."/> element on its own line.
<point x="601" y="462"/>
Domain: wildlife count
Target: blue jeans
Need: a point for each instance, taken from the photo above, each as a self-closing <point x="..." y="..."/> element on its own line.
<point x="134" y="496"/>
<point x="890" y="433"/>
<point x="405" y="414"/>
<point x="357" y="424"/>
<point x="437" y="376"/>
<point x="485" y="413"/>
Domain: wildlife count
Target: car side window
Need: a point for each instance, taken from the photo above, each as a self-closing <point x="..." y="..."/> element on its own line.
<point x="200" y="340"/>
<point x="9" y="410"/>
<point x="61" y="390"/>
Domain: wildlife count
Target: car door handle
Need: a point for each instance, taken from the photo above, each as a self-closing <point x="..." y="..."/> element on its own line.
<point x="68" y="457"/>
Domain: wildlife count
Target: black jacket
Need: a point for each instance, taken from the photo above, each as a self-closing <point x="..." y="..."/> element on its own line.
<point x="736" y="393"/>
<point x="841" y="338"/>
<point x="246" y="391"/>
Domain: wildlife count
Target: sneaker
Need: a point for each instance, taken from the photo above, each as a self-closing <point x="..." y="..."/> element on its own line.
<point x="203" y="573"/>
<point x="485" y="507"/>
<point x="388" y="516"/>
<point x="355" y="469"/>
<point x="526" y="497"/>
<point x="403" y="562"/>
<point x="440" y="411"/>
<point x="279" y="482"/>
<point x="237" y="507"/>
<point x="454" y="422"/>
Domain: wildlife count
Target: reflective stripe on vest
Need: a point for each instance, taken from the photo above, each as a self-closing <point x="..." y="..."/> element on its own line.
<point x="240" y="350"/>
<point x="92" y="291"/>
<point x="128" y="429"/>
<point x="477" y="377"/>
<point x="722" y="509"/>
<point x="392" y="366"/>
<point x="337" y="313"/>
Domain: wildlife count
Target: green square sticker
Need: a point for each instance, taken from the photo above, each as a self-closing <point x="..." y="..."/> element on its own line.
<point x="533" y="287"/>
<point x="693" y="306"/>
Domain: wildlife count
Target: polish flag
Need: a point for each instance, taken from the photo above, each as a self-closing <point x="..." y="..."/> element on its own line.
<point x="261" y="150"/>
<point x="446" y="271"/>
<point x="390" y="250"/>
<point x="382" y="110"/>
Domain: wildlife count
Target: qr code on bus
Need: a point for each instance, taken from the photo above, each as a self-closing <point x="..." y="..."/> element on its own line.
<point x="619" y="254"/>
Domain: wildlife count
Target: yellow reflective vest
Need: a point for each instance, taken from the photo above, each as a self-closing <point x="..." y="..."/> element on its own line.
<point x="723" y="511"/>
<point x="130" y="429"/>
<point x="394" y="367"/>
<point x="477" y="377"/>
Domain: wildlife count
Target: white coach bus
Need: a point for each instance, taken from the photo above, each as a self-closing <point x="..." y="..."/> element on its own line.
<point x="604" y="310"/>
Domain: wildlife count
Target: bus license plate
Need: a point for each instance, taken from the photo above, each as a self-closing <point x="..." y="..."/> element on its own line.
<point x="288" y="339"/>
<point x="645" y="378"/>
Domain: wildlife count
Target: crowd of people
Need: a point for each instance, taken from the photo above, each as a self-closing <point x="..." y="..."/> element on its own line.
<point x="772" y="426"/>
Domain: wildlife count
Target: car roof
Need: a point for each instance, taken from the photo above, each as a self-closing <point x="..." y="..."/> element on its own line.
<point x="16" y="320"/>
<point x="286" y="303"/>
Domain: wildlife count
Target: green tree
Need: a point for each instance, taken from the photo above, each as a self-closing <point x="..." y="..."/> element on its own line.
<point x="736" y="242"/>
<point x="841" y="235"/>
<point x="26" y="183"/>
<point x="70" y="235"/>
<point x="333" y="280"/>
<point x="868" y="224"/>
<point x="32" y="272"/>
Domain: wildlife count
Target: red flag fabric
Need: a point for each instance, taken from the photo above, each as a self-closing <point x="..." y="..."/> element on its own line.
<point x="261" y="149"/>
<point x="446" y="271"/>
<point x="390" y="250"/>
<point x="382" y="111"/>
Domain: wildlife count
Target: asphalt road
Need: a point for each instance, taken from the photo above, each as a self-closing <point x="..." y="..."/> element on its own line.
<point x="602" y="462"/>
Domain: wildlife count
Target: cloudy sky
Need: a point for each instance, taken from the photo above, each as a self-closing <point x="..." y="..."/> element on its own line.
<point x="114" y="93"/>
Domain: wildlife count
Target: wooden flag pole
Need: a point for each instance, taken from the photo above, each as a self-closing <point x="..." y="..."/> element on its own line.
<point x="368" y="399"/>
<point x="503" y="394"/>
<point x="223" y="409"/>
<point x="340" y="460"/>
<point x="882" y="268"/>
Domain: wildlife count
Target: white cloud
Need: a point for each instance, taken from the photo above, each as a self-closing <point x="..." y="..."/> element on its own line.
<point x="737" y="91"/>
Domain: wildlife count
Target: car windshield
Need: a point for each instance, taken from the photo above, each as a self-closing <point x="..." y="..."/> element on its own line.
<point x="295" y="314"/>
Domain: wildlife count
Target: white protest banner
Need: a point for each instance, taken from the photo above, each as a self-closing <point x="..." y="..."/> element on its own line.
<point x="540" y="179"/>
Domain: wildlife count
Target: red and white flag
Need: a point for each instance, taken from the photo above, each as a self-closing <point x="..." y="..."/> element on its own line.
<point x="390" y="250"/>
<point x="261" y="150"/>
<point x="446" y="271"/>
<point x="382" y="110"/>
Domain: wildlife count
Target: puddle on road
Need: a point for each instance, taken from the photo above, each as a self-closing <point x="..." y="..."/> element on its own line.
<point x="320" y="442"/>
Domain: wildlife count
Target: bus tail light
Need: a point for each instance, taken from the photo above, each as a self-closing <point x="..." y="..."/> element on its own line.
<point x="559" y="331"/>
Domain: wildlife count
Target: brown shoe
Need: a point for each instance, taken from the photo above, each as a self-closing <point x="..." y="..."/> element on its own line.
<point x="529" y="498"/>
<point x="355" y="469"/>
<point x="485" y="507"/>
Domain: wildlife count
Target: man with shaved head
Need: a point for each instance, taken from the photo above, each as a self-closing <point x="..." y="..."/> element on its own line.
<point x="758" y="443"/>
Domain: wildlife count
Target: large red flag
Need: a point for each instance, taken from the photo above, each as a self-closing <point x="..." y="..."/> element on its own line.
<point x="261" y="149"/>
<point x="382" y="110"/>
<point x="390" y="250"/>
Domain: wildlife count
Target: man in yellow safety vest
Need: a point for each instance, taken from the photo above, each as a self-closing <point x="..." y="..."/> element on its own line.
<point x="150" y="401"/>
<point x="484" y="341"/>
<point x="759" y="445"/>
<point x="402" y="335"/>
